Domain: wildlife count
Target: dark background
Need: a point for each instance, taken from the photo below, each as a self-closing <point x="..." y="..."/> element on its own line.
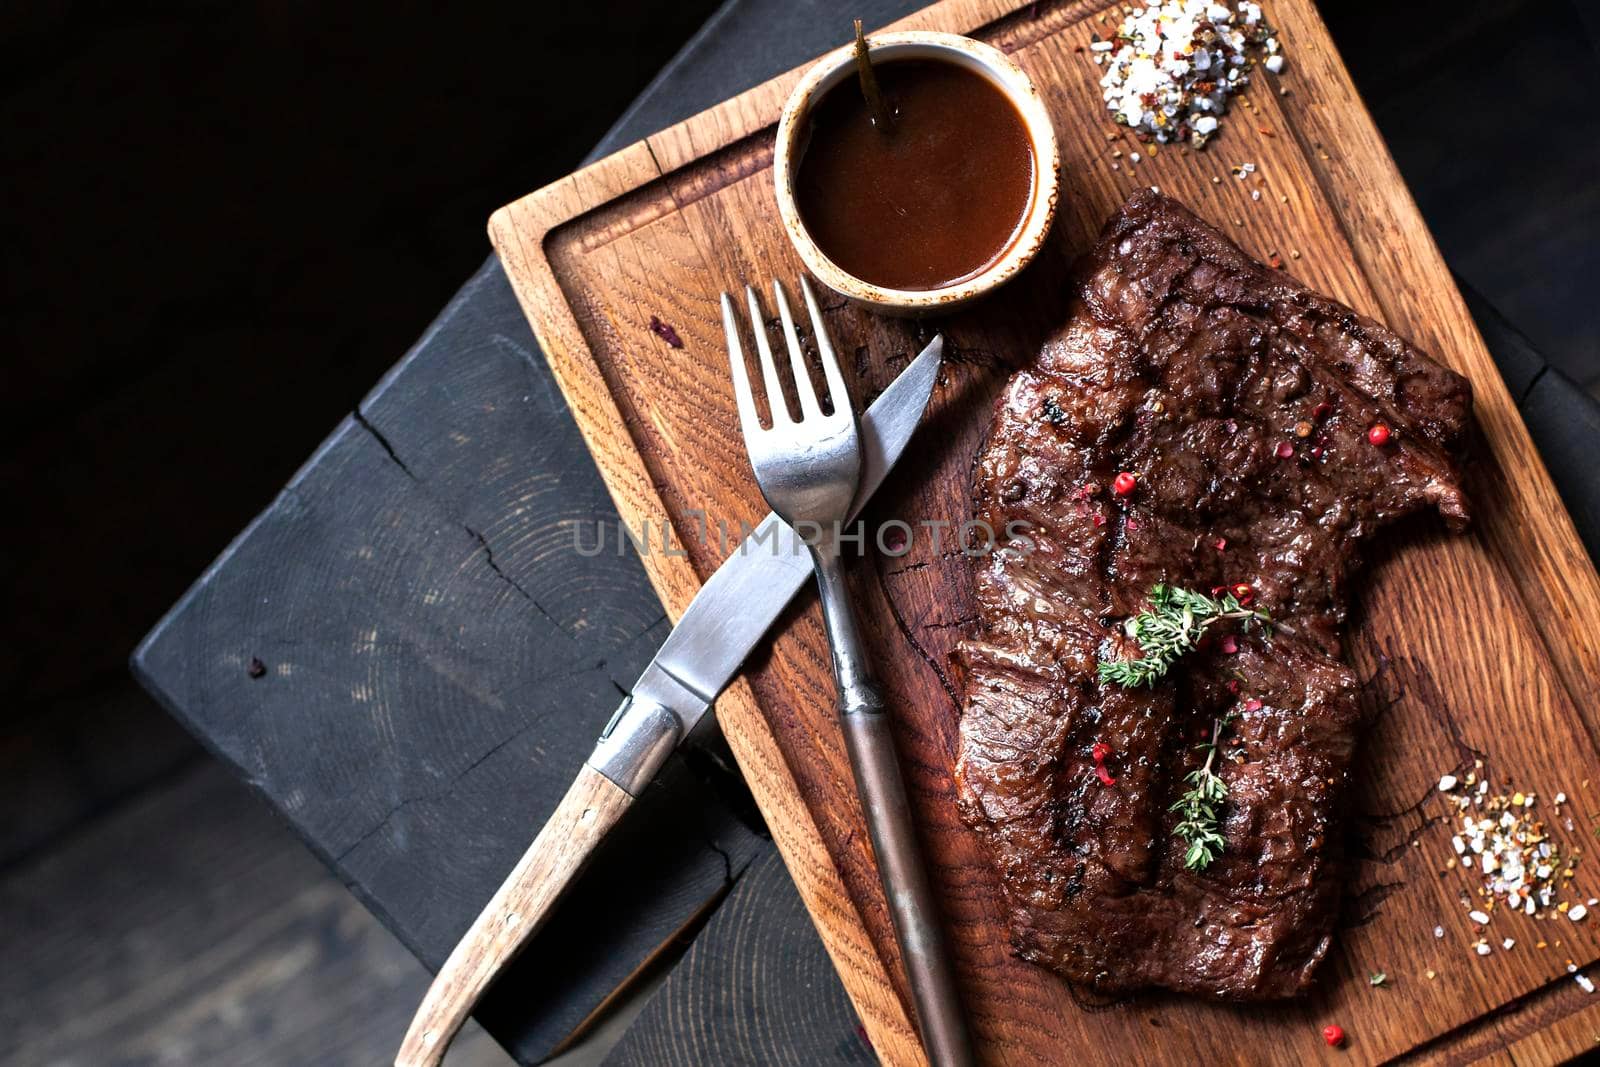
<point x="221" y="223"/>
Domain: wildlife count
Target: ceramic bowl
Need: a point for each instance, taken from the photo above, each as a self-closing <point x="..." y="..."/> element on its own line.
<point x="993" y="65"/>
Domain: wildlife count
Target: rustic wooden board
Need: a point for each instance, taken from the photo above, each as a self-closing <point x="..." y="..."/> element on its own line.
<point x="1484" y="642"/>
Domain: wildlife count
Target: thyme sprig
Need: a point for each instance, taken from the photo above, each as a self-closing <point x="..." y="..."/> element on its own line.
<point x="1173" y="624"/>
<point x="1201" y="807"/>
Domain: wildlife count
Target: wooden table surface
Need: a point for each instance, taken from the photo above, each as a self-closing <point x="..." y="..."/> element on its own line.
<point x="437" y="660"/>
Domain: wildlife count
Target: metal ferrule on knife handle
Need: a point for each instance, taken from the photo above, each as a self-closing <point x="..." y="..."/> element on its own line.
<point x="636" y="742"/>
<point x="653" y="719"/>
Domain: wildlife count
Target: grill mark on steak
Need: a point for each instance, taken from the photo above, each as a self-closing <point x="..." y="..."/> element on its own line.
<point x="1187" y="362"/>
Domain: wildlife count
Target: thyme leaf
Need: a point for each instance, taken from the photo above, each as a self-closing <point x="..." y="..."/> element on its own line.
<point x="1172" y="625"/>
<point x="1200" y="808"/>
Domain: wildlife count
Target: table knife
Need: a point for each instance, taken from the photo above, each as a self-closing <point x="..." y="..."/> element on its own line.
<point x="733" y="610"/>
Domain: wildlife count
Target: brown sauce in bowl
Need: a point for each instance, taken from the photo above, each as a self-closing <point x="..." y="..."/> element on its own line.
<point x="935" y="200"/>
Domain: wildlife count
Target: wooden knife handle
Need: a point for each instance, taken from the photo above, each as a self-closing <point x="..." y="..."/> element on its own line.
<point x="519" y="907"/>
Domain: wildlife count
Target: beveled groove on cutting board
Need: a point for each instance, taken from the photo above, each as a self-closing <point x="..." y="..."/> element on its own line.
<point x="1481" y="643"/>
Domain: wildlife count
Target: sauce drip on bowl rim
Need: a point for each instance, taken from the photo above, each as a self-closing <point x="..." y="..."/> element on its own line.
<point x="932" y="202"/>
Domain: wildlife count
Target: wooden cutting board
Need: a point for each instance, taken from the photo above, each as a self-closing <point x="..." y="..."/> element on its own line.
<point x="1480" y="646"/>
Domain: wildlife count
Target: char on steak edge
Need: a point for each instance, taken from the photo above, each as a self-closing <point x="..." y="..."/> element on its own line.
<point x="1189" y="364"/>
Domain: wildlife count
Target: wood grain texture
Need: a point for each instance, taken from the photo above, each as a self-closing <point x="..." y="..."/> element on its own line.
<point x="663" y="227"/>
<point x="522" y="904"/>
<point x="756" y="987"/>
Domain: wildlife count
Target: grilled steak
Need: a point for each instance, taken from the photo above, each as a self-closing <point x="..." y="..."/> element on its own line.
<point x="1242" y="402"/>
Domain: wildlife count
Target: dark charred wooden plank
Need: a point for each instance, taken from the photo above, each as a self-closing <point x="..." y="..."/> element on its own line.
<point x="435" y="661"/>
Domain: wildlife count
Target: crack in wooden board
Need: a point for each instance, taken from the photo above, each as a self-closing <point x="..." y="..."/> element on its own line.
<point x="591" y="271"/>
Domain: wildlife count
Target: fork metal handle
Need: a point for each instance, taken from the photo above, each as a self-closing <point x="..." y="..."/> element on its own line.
<point x="912" y="905"/>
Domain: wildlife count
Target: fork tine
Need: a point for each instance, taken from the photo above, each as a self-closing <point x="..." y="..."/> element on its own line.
<point x="838" y="393"/>
<point x="803" y="389"/>
<point x="769" y="370"/>
<point x="749" y="423"/>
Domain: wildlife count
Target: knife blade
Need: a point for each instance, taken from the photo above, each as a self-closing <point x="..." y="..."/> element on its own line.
<point x="732" y="611"/>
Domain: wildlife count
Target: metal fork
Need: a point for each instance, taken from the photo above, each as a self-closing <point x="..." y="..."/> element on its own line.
<point x="808" y="469"/>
